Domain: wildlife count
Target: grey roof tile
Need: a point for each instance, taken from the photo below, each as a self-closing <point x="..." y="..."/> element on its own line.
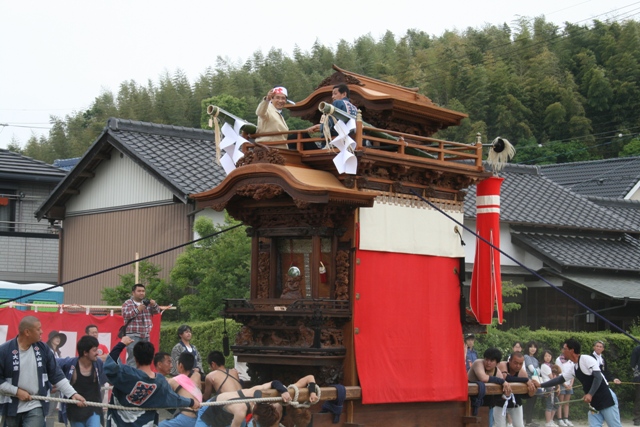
<point x="20" y="166"/>
<point x="618" y="287"/>
<point x="186" y="162"/>
<point x="181" y="158"/>
<point x="528" y="197"/>
<point x="611" y="252"/>
<point x="602" y="178"/>
<point x="627" y="209"/>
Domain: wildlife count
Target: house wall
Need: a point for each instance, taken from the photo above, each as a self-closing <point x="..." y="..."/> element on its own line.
<point x="118" y="183"/>
<point x="91" y="243"/>
<point x="215" y="216"/>
<point x="28" y="253"/>
<point x="634" y="194"/>
<point x="505" y="245"/>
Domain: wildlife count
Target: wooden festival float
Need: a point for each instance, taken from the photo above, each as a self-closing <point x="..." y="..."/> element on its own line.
<point x="353" y="278"/>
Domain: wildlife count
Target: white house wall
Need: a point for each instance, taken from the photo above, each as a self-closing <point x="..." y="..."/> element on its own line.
<point x="215" y="216"/>
<point x="505" y="245"/>
<point x="118" y="183"/>
<point x="634" y="194"/>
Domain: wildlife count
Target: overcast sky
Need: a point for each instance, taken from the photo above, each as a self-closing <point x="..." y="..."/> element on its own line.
<point x="56" y="57"/>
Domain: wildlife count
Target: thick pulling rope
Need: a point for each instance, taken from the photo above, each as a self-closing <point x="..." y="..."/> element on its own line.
<point x="294" y="402"/>
<point x="135" y="408"/>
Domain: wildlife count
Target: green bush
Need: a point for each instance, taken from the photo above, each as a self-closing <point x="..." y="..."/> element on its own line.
<point x="617" y="354"/>
<point x="207" y="336"/>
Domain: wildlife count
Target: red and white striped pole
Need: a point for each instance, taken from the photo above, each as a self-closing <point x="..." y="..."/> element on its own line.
<point x="486" y="282"/>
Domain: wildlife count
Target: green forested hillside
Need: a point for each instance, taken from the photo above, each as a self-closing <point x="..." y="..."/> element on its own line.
<point x="558" y="93"/>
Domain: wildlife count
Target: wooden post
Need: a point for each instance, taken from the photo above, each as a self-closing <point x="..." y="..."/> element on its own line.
<point x="359" y="129"/>
<point x="479" y="150"/>
<point x="137" y="269"/>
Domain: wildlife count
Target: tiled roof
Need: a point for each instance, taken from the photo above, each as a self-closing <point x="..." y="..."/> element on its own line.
<point x="529" y="198"/>
<point x="627" y="209"/>
<point x="19" y="167"/>
<point x="602" y="178"/>
<point x="66" y="164"/>
<point x="181" y="158"/>
<point x="563" y="250"/>
<point x="618" y="287"/>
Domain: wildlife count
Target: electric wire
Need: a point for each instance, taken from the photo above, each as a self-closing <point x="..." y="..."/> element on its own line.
<point x="124" y="264"/>
<point x="535" y="273"/>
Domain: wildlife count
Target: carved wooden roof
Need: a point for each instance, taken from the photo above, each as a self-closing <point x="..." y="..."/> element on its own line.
<point x="384" y="105"/>
<point x="265" y="182"/>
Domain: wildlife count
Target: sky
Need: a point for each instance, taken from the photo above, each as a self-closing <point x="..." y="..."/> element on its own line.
<point x="57" y="57"/>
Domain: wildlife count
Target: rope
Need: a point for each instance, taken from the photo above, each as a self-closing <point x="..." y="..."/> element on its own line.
<point x="326" y="120"/>
<point x="535" y="273"/>
<point x="214" y="122"/>
<point x="135" y="408"/>
<point x="294" y="402"/>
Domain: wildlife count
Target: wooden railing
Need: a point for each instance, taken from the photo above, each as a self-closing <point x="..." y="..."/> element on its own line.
<point x="396" y="144"/>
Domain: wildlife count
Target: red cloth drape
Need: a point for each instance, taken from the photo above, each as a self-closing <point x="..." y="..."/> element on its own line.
<point x="486" y="281"/>
<point x="72" y="325"/>
<point x="409" y="342"/>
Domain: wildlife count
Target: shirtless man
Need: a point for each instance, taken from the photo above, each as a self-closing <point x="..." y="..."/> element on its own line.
<point x="513" y="371"/>
<point x="486" y="370"/>
<point x="264" y="414"/>
<point x="186" y="384"/>
<point x="220" y="379"/>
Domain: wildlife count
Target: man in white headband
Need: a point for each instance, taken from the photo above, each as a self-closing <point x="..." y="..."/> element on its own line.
<point x="270" y="118"/>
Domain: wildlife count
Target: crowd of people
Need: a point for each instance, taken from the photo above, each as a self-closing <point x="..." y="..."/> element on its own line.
<point x="549" y="380"/>
<point x="31" y="371"/>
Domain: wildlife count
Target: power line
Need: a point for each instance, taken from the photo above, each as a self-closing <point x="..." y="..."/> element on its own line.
<point x="23" y="126"/>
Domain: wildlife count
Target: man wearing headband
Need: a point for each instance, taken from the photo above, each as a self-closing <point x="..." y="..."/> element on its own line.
<point x="270" y="118"/>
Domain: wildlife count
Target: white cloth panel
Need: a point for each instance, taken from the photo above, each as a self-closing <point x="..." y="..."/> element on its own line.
<point x="410" y="229"/>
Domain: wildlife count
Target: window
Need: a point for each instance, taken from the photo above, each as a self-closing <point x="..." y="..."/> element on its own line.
<point x="7" y="210"/>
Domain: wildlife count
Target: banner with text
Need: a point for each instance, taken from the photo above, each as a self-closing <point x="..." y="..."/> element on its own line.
<point x="72" y="325"/>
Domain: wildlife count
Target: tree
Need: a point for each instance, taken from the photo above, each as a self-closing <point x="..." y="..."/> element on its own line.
<point x="631" y="149"/>
<point x="236" y="106"/>
<point x="216" y="268"/>
<point x="511" y="290"/>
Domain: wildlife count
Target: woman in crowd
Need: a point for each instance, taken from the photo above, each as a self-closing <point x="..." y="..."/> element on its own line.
<point x="55" y="341"/>
<point x="546" y="374"/>
<point x="184" y="344"/>
<point x="532" y="367"/>
<point x="566" y="390"/>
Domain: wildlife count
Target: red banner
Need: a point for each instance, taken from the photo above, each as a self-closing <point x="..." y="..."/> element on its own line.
<point x="72" y="325"/>
<point x="486" y="282"/>
<point x="409" y="337"/>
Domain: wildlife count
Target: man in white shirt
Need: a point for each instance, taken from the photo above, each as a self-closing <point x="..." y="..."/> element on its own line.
<point x="597" y="392"/>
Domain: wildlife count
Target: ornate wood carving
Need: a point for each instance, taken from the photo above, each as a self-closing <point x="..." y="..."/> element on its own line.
<point x="291" y="332"/>
<point x="337" y="78"/>
<point x="300" y="215"/>
<point x="260" y="191"/>
<point x="264" y="273"/>
<point x="261" y="154"/>
<point x="342" y="275"/>
<point x="330" y="375"/>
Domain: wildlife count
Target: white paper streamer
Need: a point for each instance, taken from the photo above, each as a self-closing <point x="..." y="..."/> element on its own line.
<point x="345" y="160"/>
<point x="232" y="145"/>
